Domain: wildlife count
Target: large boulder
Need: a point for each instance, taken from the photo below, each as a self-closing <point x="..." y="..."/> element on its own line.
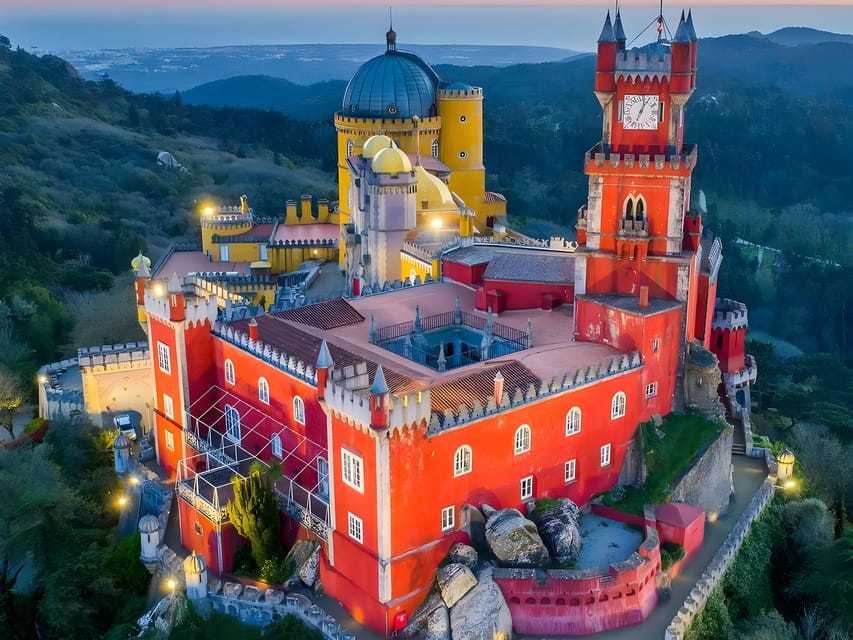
<point x="464" y="554"/>
<point x="515" y="540"/>
<point x="557" y="521"/>
<point x="454" y="581"/>
<point x="304" y="562"/>
<point x="310" y="569"/>
<point x="482" y="614"/>
<point x="430" y="621"/>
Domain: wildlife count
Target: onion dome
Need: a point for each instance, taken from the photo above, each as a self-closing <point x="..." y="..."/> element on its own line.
<point x="786" y="456"/>
<point x="433" y="191"/>
<point x="194" y="565"/>
<point x="396" y="84"/>
<point x="121" y="442"/>
<point x="375" y="144"/>
<point x="391" y="160"/>
<point x="148" y="524"/>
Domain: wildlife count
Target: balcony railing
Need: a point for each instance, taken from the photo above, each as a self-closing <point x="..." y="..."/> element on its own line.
<point x="309" y="509"/>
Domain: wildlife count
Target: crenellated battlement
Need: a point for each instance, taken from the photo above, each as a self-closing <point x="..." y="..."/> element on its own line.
<point x="465" y="413"/>
<point x="278" y="359"/>
<point x="125" y="355"/>
<point x="643" y="63"/>
<point x="226" y="220"/>
<point x="470" y="92"/>
<point x="729" y="315"/>
<point x="356" y="125"/>
<point x="601" y="156"/>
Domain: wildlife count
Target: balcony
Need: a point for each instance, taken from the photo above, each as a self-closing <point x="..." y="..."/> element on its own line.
<point x="747" y="375"/>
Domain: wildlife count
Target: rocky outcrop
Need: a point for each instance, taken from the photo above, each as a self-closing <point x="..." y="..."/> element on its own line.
<point x="310" y="569"/>
<point x="454" y="581"/>
<point x="430" y="621"/>
<point x="482" y="614"/>
<point x="557" y="521"/>
<point x="464" y="554"/>
<point x="304" y="560"/>
<point x="514" y="539"/>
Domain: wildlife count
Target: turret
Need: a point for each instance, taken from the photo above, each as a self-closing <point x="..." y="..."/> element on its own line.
<point x="140" y="265"/>
<point x="619" y="32"/>
<point x="605" y="63"/>
<point x="379" y="395"/>
<point x="253" y="330"/>
<point x="682" y="46"/>
<point x="324" y="365"/>
<point x="177" y="311"/>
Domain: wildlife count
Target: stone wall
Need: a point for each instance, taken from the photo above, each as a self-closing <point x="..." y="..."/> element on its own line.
<point x="707" y="484"/>
<point x="696" y="600"/>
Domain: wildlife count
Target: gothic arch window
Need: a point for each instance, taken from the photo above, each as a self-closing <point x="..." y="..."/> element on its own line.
<point x="617" y="405"/>
<point x="522" y="439"/>
<point x="573" y="421"/>
<point x="229" y="372"/>
<point x="298" y="410"/>
<point x="635" y="208"/>
<point x="640" y="208"/>
<point x="629" y="208"/>
<point x="232" y="423"/>
<point x="435" y="147"/>
<point x="462" y="460"/>
<point x="263" y="390"/>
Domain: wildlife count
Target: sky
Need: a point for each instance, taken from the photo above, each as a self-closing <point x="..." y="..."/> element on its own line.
<point x="62" y="25"/>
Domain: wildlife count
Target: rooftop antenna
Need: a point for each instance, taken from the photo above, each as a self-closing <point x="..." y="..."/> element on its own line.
<point x="660" y="22"/>
<point x="391" y="36"/>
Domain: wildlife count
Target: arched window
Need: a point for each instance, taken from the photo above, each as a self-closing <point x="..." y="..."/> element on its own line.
<point x="232" y="423"/>
<point x="617" y="405"/>
<point x="522" y="439"/>
<point x="350" y="148"/>
<point x="435" y="147"/>
<point x="229" y="372"/>
<point x="641" y="208"/>
<point x="298" y="410"/>
<point x="323" y="477"/>
<point x="276" y="445"/>
<point x="573" y="421"/>
<point x="263" y="390"/>
<point x="462" y="460"/>
<point x="629" y="208"/>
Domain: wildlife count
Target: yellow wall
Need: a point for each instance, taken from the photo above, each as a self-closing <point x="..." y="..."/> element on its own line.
<point x="209" y="228"/>
<point x="284" y="259"/>
<point x="419" y="266"/>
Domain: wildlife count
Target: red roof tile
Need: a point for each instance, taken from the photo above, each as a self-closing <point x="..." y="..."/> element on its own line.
<point x="481" y="386"/>
<point x="323" y="315"/>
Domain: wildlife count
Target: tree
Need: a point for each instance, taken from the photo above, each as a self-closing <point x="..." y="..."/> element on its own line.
<point x="254" y="512"/>
<point x="831" y="578"/>
<point x="11" y="399"/>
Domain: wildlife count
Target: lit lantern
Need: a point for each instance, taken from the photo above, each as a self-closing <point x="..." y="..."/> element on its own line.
<point x="785" y="462"/>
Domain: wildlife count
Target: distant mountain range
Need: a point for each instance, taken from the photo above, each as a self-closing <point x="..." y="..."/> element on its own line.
<point x="798" y="36"/>
<point x="170" y="70"/>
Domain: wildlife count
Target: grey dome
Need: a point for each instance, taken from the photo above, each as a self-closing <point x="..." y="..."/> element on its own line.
<point x="194" y="564"/>
<point x="121" y="441"/>
<point x="149" y="524"/>
<point x="396" y="84"/>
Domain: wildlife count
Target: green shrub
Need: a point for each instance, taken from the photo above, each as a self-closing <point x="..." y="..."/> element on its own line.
<point x="291" y="627"/>
<point x="670" y="553"/>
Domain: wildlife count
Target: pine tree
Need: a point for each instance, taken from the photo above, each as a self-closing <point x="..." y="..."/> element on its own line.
<point x="254" y="512"/>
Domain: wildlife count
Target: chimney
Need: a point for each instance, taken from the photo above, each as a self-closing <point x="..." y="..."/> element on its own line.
<point x="305" y="210"/>
<point x="644" y="297"/>
<point x="177" y="312"/>
<point x="499" y="388"/>
<point x="290" y="212"/>
<point x="253" y="330"/>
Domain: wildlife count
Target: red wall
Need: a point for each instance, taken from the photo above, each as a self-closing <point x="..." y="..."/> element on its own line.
<point x="204" y="543"/>
<point x="729" y="347"/>
<point x="528" y="295"/>
<point x="464" y="273"/>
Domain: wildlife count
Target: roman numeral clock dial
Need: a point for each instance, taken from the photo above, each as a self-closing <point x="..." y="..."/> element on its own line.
<point x="641" y="112"/>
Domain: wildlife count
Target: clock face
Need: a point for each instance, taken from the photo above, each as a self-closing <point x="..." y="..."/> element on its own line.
<point x="640" y="112"/>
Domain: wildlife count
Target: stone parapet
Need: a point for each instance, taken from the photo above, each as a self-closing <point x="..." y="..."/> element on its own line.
<point x="729" y="315"/>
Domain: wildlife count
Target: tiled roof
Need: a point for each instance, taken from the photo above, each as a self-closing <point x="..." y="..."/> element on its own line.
<point x="481" y="386"/>
<point x="258" y="233"/>
<point x="531" y="268"/>
<point x="323" y="315"/>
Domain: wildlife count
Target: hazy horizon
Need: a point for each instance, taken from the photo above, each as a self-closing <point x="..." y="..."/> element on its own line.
<point x="41" y="26"/>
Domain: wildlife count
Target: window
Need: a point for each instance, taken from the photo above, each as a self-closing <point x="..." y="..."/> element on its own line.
<point x="463" y="154"/>
<point x="355" y="527"/>
<point x="573" y="421"/>
<point x="262" y="252"/>
<point x="522" y="439"/>
<point x="617" y="405"/>
<point x="164" y="358"/>
<point x="224" y="253"/>
<point x="655" y="345"/>
<point x="651" y="389"/>
<point x="605" y="455"/>
<point x="168" y="406"/>
<point x="621" y="110"/>
<point x="435" y="147"/>
<point x="276" y="445"/>
<point x="448" y="518"/>
<point x="462" y="461"/>
<point x="570" y="468"/>
<point x="170" y="440"/>
<point x="527" y="488"/>
<point x="351" y="470"/>
<point x="229" y="372"/>
<point x="263" y="390"/>
<point x="661" y="111"/>
<point x="463" y="118"/>
<point x="350" y="148"/>
<point x="199" y="530"/>
<point x="298" y="410"/>
<point x="232" y="423"/>
<point x="323" y="477"/>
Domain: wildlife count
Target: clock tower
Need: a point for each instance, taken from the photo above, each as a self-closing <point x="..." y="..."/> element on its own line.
<point x="631" y="233"/>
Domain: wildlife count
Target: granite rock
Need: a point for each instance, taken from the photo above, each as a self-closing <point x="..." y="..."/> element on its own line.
<point x="514" y="540"/>
<point x="454" y="581"/>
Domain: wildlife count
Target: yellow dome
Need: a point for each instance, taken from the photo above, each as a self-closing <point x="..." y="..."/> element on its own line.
<point x="375" y="144"/>
<point x="432" y="191"/>
<point x="391" y="160"/>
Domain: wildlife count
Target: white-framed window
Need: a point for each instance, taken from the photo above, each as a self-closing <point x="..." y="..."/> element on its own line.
<point x="605" y="455"/>
<point x="168" y="406"/>
<point x="232" y="423"/>
<point x="323" y="477"/>
<point x="352" y="470"/>
<point x="651" y="389"/>
<point x="263" y="390"/>
<point x="620" y="112"/>
<point x="617" y="405"/>
<point x="229" y="372"/>
<point x="298" y="410"/>
<point x="527" y="488"/>
<point x="224" y="253"/>
<point x="170" y="440"/>
<point x="435" y="147"/>
<point x="462" y="460"/>
<point x="350" y="148"/>
<point x="655" y="345"/>
<point x="275" y="443"/>
<point x="570" y="469"/>
<point x="573" y="421"/>
<point x="355" y="527"/>
<point x="522" y="439"/>
<point x="164" y="357"/>
<point x="448" y="518"/>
